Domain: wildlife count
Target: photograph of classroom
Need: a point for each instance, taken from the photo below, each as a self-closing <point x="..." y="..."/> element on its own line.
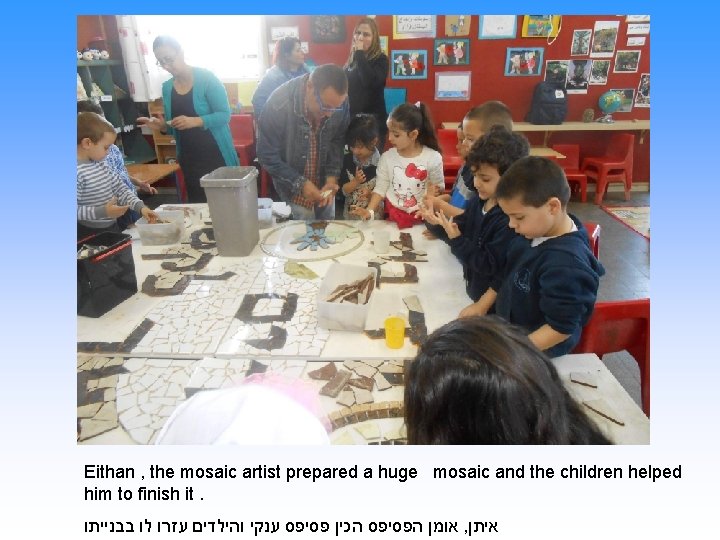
<point x="353" y="229"/>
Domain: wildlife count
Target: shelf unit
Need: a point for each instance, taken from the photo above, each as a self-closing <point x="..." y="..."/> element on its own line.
<point x="164" y="144"/>
<point x="119" y="109"/>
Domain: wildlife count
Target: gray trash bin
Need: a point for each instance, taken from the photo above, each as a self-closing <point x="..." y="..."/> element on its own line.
<point x="233" y="202"/>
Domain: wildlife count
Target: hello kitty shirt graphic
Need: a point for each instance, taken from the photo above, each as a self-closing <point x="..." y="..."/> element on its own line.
<point x="409" y="185"/>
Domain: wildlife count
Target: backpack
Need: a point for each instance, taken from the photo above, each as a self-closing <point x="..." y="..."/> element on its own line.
<point x="549" y="104"/>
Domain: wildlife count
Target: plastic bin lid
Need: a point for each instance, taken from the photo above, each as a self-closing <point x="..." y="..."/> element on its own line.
<point x="230" y="177"/>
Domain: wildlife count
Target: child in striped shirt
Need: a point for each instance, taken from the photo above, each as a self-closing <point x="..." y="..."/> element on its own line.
<point x="102" y="196"/>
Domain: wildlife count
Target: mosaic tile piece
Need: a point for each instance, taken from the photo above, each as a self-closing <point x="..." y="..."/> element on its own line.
<point x="368" y="430"/>
<point x="363" y="396"/>
<point x="213" y="373"/>
<point x="342" y="438"/>
<point x="324" y="373"/>
<point x="118" y="347"/>
<point x="314" y="237"/>
<point x="299" y="271"/>
<point x="336" y="384"/>
<point x="381" y="382"/>
<point x="346" y="398"/>
<point x="366" y="383"/>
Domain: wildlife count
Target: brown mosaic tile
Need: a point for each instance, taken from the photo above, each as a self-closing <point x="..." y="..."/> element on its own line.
<point x="197" y="242"/>
<point x="117" y="347"/>
<point x="324" y="373"/>
<point x="245" y="311"/>
<point x="162" y="256"/>
<point x="149" y="286"/>
<point x="411" y="276"/>
<point x="396" y="379"/>
<point x="336" y="384"/>
<point x="381" y="382"/>
<point x="199" y="264"/>
<point x="365" y="383"/>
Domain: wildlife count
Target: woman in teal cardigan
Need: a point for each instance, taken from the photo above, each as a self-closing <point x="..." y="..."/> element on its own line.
<point x="196" y="103"/>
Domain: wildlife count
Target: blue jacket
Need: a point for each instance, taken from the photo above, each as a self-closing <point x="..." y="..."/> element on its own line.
<point x="554" y="283"/>
<point x="482" y="246"/>
<point x="274" y="77"/>
<point x="284" y="139"/>
<point x="211" y="104"/>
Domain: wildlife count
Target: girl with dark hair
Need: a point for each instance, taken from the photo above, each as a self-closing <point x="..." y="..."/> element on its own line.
<point x="289" y="62"/>
<point x="479" y="380"/>
<point x="408" y="171"/>
<point x="357" y="177"/>
<point x="197" y="113"/>
<point x="367" y="70"/>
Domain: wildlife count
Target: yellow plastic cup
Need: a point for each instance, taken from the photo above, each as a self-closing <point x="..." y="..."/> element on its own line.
<point x="394" y="332"/>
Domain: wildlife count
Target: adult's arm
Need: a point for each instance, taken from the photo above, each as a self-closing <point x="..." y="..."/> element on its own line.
<point x="372" y="73"/>
<point x="218" y="101"/>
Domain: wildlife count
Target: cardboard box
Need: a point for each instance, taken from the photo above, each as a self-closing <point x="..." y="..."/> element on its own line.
<point x="342" y="316"/>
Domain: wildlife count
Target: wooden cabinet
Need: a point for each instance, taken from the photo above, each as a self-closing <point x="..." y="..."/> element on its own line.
<point x="105" y="82"/>
<point x="164" y="144"/>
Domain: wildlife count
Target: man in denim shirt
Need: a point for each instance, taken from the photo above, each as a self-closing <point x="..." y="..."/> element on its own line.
<point x="301" y="139"/>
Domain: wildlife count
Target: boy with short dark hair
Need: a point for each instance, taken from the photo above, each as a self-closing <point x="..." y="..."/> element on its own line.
<point x="102" y="196"/>
<point x="552" y="277"/>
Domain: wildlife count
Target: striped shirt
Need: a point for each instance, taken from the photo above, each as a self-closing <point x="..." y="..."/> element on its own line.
<point x="96" y="185"/>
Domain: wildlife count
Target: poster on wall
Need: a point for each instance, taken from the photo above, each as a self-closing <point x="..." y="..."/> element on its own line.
<point x="599" y="72"/>
<point x="413" y="26"/>
<point x="327" y="28"/>
<point x="457" y="25"/>
<point x="578" y="76"/>
<point x="521" y="61"/>
<point x="497" y="27"/>
<point x="635" y="41"/>
<point x="409" y="64"/>
<point x="279" y="32"/>
<point x="643" y="28"/>
<point x="556" y="72"/>
<point x="451" y="52"/>
<point x="604" y="38"/>
<point x="452" y="86"/>
<point x="642" y="98"/>
<point x="626" y="61"/>
<point x="581" y="42"/>
<point x="541" y="26"/>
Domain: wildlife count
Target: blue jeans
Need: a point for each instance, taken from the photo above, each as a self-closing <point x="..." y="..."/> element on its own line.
<point x="316" y="212"/>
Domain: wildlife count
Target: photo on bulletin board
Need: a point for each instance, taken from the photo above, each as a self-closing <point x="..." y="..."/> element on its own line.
<point x="599" y="72"/>
<point x="452" y="86"/>
<point x="384" y="44"/>
<point x="642" y="98"/>
<point x="457" y="25"/>
<point x="626" y="96"/>
<point x="451" y="52"/>
<point x="279" y="32"/>
<point x="497" y="27"/>
<point x="578" y="76"/>
<point x="604" y="38"/>
<point x="523" y="61"/>
<point x="626" y="62"/>
<point x="556" y="71"/>
<point x="541" y="25"/>
<point x="409" y="64"/>
<point x="581" y="42"/>
<point x="414" y="26"/>
<point x="327" y="28"/>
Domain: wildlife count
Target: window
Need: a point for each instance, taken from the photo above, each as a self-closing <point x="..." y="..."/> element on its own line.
<point x="227" y="45"/>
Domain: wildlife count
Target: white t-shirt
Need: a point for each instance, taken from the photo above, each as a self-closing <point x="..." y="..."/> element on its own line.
<point x="404" y="181"/>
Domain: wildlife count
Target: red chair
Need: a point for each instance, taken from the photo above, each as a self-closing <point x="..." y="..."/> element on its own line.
<point x="571" y="166"/>
<point x="615" y="166"/>
<point x="452" y="162"/>
<point x="593" y="232"/>
<point x="621" y="326"/>
<point x="243" y="134"/>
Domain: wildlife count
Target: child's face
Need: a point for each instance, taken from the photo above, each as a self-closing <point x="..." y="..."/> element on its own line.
<point x="99" y="150"/>
<point x="398" y="137"/>
<point x="460" y="146"/>
<point x="486" y="178"/>
<point x="529" y="221"/>
<point x="472" y="131"/>
<point x="361" y="152"/>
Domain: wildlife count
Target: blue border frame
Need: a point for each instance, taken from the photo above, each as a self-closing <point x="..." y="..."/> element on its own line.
<point x="539" y="53"/>
<point x="406" y="53"/>
<point x="508" y="36"/>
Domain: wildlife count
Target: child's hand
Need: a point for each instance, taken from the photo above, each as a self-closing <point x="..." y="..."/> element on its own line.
<point x="451" y="228"/>
<point x="148" y="214"/>
<point x="360" y="175"/>
<point x="147" y="188"/>
<point x="360" y="212"/>
<point x="434" y="190"/>
<point x="472" y="310"/>
<point x="114" y="210"/>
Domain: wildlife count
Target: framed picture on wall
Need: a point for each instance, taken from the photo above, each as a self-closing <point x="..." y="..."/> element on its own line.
<point x="642" y="98"/>
<point x="384" y="44"/>
<point x="452" y="86"/>
<point x="626" y="62"/>
<point x="409" y="64"/>
<point x="451" y="52"/>
<point x="497" y="27"/>
<point x="414" y="26"/>
<point x="327" y="28"/>
<point x="541" y="25"/>
<point x="581" y="42"/>
<point x="599" y="72"/>
<point x="457" y="25"/>
<point x="556" y="71"/>
<point x="523" y="61"/>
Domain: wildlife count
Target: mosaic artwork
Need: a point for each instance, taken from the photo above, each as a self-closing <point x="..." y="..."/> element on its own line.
<point x="312" y="240"/>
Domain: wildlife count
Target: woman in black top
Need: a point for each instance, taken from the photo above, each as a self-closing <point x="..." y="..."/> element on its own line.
<point x="367" y="70"/>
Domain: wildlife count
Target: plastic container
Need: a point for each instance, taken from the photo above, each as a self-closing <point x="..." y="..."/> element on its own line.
<point x="233" y="203"/>
<point x="106" y="278"/>
<point x="161" y="234"/>
<point x="342" y="316"/>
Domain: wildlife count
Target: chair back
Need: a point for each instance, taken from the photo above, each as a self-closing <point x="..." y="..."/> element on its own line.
<point x="447" y="139"/>
<point x="242" y="129"/>
<point x="571" y="161"/>
<point x="621" y="149"/>
<point x="593" y="232"/>
<point x="621" y="326"/>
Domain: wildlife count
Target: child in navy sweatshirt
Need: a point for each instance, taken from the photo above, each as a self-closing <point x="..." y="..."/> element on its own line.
<point x="552" y="277"/>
